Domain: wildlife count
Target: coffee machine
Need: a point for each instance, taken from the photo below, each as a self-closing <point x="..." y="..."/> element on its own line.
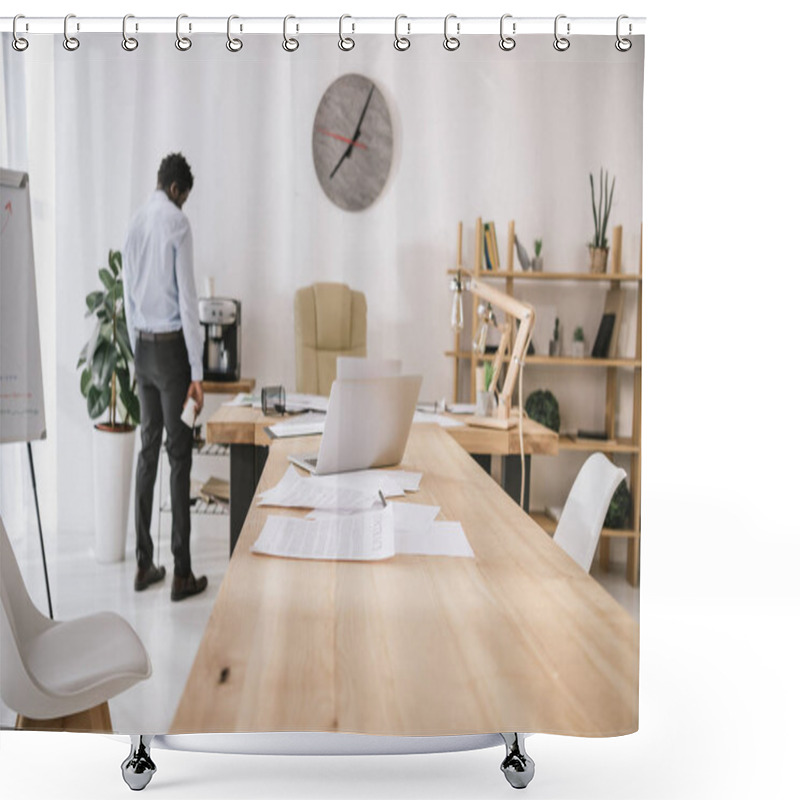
<point x="221" y="318"/>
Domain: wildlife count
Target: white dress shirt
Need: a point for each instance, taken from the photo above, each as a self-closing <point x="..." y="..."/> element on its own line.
<point x="158" y="276"/>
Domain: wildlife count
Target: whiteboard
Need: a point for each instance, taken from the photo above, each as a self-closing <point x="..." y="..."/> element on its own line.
<point x="21" y="392"/>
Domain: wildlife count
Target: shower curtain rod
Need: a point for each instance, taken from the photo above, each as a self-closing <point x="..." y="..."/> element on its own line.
<point x="348" y="25"/>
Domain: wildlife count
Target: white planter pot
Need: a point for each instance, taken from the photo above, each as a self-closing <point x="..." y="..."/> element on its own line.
<point x="113" y="467"/>
<point x="577" y="349"/>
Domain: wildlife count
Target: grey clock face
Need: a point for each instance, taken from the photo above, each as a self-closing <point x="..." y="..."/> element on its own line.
<point x="352" y="142"/>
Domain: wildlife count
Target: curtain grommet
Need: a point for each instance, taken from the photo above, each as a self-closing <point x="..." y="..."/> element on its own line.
<point x="346" y="43"/>
<point x="71" y="43"/>
<point x="561" y="43"/>
<point x="129" y="43"/>
<point x="507" y="42"/>
<point x="451" y="43"/>
<point x="19" y="43"/>
<point x="401" y="43"/>
<point x="622" y="44"/>
<point x="289" y="44"/>
<point x="183" y="43"/>
<point x="233" y="44"/>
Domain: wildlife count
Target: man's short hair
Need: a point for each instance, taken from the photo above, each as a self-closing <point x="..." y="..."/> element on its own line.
<point x="175" y="169"/>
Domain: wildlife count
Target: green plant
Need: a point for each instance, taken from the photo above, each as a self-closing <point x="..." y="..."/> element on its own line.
<point x="619" y="509"/>
<point x="488" y="374"/>
<point x="601" y="208"/>
<point x="107" y="380"/>
<point x="542" y="407"/>
<point x="537" y="247"/>
<point x="555" y="330"/>
<point x="577" y="336"/>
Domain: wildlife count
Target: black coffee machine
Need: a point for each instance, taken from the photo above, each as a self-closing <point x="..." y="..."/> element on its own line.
<point x="221" y="318"/>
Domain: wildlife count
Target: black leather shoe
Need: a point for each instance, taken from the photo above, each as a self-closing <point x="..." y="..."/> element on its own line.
<point x="188" y="586"/>
<point x="144" y="577"/>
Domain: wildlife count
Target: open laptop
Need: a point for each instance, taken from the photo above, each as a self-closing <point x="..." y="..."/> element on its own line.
<point x="367" y="424"/>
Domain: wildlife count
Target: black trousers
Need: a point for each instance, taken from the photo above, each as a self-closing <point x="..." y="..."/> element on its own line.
<point x="163" y="376"/>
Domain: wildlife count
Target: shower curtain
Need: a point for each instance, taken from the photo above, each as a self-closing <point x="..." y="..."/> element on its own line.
<point x="449" y="142"/>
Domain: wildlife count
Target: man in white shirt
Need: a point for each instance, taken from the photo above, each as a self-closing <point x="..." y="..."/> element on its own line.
<point x="162" y="314"/>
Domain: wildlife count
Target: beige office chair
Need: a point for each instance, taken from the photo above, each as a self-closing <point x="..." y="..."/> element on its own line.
<point x="60" y="675"/>
<point x="330" y="320"/>
<point x="581" y="521"/>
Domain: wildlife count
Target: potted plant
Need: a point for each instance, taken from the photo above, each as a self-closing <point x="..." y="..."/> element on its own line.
<point x="537" y="262"/>
<point x="542" y="407"/>
<point x="485" y="405"/>
<point x="555" y="342"/>
<point x="601" y="208"/>
<point x="108" y="384"/>
<point x="578" y="343"/>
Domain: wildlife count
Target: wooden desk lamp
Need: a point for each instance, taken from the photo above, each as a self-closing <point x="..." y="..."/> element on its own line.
<point x="523" y="312"/>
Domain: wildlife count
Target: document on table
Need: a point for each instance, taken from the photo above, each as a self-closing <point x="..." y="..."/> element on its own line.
<point x="308" y="424"/>
<point x="243" y="399"/>
<point x="306" y="402"/>
<point x="295" y="492"/>
<point x="439" y="419"/>
<point x="357" y="537"/>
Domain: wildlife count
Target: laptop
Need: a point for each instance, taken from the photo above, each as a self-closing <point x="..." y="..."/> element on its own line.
<point x="367" y="424"/>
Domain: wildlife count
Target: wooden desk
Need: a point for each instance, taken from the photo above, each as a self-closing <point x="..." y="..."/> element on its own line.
<point x="229" y="387"/>
<point x="242" y="428"/>
<point x="516" y="639"/>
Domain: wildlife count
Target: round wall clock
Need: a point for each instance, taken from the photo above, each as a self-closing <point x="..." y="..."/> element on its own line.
<point x="352" y="142"/>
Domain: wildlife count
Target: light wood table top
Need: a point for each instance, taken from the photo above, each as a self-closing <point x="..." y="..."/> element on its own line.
<point x="245" y="425"/>
<point x="517" y="639"/>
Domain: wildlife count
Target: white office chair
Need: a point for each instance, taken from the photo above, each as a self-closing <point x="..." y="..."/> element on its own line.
<point x="585" y="510"/>
<point x="52" y="671"/>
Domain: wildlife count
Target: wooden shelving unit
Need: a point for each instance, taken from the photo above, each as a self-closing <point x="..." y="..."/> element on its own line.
<point x="627" y="446"/>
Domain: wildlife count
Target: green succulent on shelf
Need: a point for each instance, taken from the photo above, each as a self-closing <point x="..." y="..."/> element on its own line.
<point x="601" y="208"/>
<point x="542" y="407"/>
<point x="619" y="509"/>
<point x="107" y="379"/>
<point x="537" y="247"/>
<point x="577" y="336"/>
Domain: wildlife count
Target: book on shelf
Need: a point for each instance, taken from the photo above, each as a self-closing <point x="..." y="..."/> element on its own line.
<point x="605" y="343"/>
<point x="490" y="251"/>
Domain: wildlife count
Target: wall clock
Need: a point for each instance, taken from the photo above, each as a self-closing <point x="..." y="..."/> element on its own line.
<point x="352" y="142"/>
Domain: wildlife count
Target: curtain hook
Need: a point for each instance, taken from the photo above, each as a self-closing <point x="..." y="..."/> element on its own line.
<point x="290" y="44"/>
<point x="71" y="43"/>
<point x="129" y="43"/>
<point x="233" y="44"/>
<point x="507" y="42"/>
<point x="183" y="43"/>
<point x="561" y="43"/>
<point x="19" y="43"/>
<point x="623" y="45"/>
<point x="401" y="42"/>
<point x="451" y="42"/>
<point x="346" y="42"/>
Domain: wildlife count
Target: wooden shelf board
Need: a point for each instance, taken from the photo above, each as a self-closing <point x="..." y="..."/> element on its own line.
<point x="229" y="387"/>
<point x="556" y="361"/>
<point x="549" y="525"/>
<point x="585" y="277"/>
<point x="619" y="445"/>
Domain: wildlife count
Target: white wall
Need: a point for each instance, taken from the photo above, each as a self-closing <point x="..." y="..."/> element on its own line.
<point x="477" y="133"/>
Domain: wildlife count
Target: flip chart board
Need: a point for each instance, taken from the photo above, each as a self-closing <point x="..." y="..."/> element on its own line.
<point x="21" y="392"/>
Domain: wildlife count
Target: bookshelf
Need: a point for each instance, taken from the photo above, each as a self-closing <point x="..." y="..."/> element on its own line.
<point x="627" y="446"/>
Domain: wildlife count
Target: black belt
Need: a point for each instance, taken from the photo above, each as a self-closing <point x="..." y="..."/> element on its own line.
<point x="147" y="336"/>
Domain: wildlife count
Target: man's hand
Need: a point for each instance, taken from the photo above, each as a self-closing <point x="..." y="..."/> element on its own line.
<point x="196" y="391"/>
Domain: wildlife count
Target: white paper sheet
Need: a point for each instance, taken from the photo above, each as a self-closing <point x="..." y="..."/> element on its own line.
<point x="306" y="402"/>
<point x="462" y="408"/>
<point x="407" y="516"/>
<point x="439" y="419"/>
<point x="369" y="481"/>
<point x="443" y="538"/>
<point x="243" y="399"/>
<point x="306" y="424"/>
<point x="360" y="537"/>
<point x="295" y="492"/>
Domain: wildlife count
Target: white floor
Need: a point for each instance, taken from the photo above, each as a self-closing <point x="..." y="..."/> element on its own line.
<point x="170" y="631"/>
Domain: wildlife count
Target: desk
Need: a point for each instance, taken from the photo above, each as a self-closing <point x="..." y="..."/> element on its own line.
<point x="516" y="639"/>
<point x="242" y="428"/>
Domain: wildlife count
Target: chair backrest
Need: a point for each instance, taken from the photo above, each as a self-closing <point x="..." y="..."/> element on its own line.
<point x="20" y="621"/>
<point x="330" y="320"/>
<point x="586" y="507"/>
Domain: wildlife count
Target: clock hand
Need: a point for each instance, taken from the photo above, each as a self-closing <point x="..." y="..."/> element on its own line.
<point x="345" y="155"/>
<point x="354" y="140"/>
<point x="341" y="138"/>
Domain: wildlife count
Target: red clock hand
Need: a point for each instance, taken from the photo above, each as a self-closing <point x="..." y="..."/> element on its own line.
<point x="351" y="142"/>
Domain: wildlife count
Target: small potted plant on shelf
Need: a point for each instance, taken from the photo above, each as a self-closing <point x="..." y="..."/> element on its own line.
<point x="542" y="407"/>
<point x="555" y="342"/>
<point x="485" y="405"/>
<point x="601" y="209"/>
<point x="108" y="384"/>
<point x="578" y="343"/>
<point x="537" y="262"/>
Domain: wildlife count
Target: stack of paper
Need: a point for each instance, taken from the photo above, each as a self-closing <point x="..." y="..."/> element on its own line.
<point x="308" y="424"/>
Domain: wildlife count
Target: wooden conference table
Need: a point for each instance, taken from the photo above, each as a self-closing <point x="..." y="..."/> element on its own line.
<point x="243" y="429"/>
<point x="517" y="639"/>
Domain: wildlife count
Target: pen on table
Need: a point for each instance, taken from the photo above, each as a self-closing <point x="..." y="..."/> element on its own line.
<point x="383" y="499"/>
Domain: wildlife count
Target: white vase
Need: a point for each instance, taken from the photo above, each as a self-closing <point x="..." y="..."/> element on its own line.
<point x="113" y="468"/>
<point x="485" y="405"/>
<point x="577" y="350"/>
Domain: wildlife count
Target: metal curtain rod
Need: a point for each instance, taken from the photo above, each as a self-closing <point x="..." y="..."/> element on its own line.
<point x="460" y="26"/>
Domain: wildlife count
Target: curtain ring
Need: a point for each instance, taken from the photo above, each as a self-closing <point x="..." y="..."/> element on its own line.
<point x="70" y="42"/>
<point x="233" y="44"/>
<point x="183" y="43"/>
<point x="129" y="43"/>
<point x="507" y="42"/>
<point x="290" y="44"/>
<point x="561" y="43"/>
<point x="346" y="42"/>
<point x="623" y="45"/>
<point x="19" y="43"/>
<point x="451" y="42"/>
<point x="401" y="42"/>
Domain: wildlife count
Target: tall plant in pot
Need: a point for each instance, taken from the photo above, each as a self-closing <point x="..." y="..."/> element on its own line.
<point x="601" y="209"/>
<point x="109" y="386"/>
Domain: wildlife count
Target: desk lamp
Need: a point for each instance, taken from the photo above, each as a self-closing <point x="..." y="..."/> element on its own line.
<point x="513" y="308"/>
